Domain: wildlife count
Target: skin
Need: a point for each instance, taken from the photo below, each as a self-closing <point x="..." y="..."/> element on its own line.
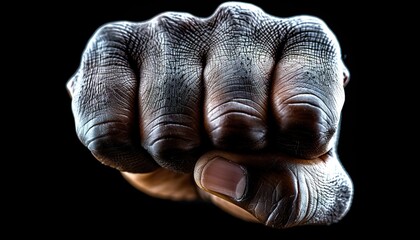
<point x="242" y="109"/>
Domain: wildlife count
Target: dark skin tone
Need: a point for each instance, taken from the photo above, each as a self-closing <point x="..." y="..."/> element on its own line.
<point x="242" y="109"/>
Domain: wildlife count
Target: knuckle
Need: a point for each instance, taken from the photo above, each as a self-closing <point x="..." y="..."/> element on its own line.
<point x="313" y="33"/>
<point x="174" y="145"/>
<point x="236" y="10"/>
<point x="237" y="126"/>
<point x="113" y="31"/>
<point x="306" y="23"/>
<point x="105" y="138"/>
<point x="109" y="47"/>
<point x="110" y="143"/>
<point x="305" y="129"/>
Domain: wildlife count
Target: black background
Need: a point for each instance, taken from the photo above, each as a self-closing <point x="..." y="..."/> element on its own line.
<point x="59" y="189"/>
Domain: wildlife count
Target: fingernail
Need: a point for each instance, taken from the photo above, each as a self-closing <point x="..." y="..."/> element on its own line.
<point x="224" y="177"/>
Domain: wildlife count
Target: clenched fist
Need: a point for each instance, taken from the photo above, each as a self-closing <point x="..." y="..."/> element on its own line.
<point x="241" y="109"/>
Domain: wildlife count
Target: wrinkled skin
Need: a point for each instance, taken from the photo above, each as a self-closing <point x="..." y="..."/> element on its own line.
<point x="241" y="108"/>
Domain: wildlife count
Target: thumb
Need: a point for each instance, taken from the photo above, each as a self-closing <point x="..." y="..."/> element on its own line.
<point x="276" y="190"/>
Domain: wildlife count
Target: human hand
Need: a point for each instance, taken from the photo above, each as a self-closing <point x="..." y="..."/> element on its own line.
<point x="241" y="109"/>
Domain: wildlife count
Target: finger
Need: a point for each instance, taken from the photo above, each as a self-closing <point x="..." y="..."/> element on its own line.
<point x="165" y="184"/>
<point x="104" y="101"/>
<point x="236" y="79"/>
<point x="308" y="89"/>
<point x="170" y="92"/>
<point x="291" y="192"/>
